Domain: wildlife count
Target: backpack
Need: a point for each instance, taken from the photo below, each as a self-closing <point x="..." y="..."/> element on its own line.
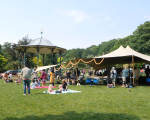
<point x="112" y="72"/>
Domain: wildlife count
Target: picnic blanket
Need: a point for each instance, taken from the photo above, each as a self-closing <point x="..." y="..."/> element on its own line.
<point x="44" y="87"/>
<point x="62" y="92"/>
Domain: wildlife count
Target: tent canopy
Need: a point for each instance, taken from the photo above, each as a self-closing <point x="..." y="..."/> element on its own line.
<point x="46" y="67"/>
<point x="120" y="56"/>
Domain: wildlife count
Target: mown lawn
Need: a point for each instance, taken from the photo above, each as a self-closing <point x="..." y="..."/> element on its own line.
<point x="94" y="103"/>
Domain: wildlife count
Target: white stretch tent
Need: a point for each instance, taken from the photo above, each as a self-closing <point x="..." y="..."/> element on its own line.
<point x="120" y="56"/>
<point x="46" y="67"/>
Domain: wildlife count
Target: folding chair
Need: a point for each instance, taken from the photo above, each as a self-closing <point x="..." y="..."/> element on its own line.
<point x="148" y="80"/>
<point x="88" y="81"/>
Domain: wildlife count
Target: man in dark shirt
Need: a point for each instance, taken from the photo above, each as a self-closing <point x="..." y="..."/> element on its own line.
<point x="147" y="71"/>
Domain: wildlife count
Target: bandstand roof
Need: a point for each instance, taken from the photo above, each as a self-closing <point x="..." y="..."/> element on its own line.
<point x="44" y="46"/>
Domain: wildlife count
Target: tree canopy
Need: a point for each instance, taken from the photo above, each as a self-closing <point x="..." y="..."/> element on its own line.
<point x="139" y="40"/>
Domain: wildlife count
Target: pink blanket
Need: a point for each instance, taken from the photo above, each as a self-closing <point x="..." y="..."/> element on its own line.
<point x="44" y="87"/>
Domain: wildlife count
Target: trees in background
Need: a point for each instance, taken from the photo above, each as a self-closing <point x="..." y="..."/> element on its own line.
<point x="139" y="41"/>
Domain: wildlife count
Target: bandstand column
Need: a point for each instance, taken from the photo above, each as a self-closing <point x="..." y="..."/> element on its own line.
<point x="60" y="61"/>
<point x="19" y="61"/>
<point x="22" y="60"/>
<point x="24" y="57"/>
<point x="52" y="56"/>
<point x="43" y="59"/>
<point x="38" y="57"/>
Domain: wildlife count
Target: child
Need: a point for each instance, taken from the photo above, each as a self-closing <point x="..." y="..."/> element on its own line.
<point x="37" y="83"/>
<point x="60" y="88"/>
<point x="10" y="77"/>
<point x="49" y="88"/>
<point x="64" y="86"/>
<point x="19" y="81"/>
<point x="33" y="85"/>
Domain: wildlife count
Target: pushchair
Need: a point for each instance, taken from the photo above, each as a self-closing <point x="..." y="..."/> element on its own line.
<point x="109" y="82"/>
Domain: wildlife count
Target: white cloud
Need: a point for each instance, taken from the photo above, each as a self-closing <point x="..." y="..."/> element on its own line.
<point x="77" y="16"/>
<point x="147" y="17"/>
<point x="107" y="18"/>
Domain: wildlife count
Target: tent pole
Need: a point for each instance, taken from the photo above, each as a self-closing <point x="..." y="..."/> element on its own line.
<point x="133" y="67"/>
<point x="122" y="62"/>
<point x="76" y="72"/>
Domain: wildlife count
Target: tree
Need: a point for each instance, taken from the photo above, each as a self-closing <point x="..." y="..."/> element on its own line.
<point x="24" y="41"/>
<point x="3" y="62"/>
<point x="140" y="40"/>
<point x="58" y="59"/>
<point x="35" y="61"/>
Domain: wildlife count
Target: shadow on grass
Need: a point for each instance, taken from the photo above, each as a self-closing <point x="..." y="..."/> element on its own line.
<point x="72" y="115"/>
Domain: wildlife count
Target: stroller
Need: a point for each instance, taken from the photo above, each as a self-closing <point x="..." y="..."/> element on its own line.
<point x="109" y="82"/>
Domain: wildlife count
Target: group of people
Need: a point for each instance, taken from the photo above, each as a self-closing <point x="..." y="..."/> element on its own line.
<point x="26" y="73"/>
<point x="62" y="87"/>
<point x="125" y="74"/>
<point x="75" y="73"/>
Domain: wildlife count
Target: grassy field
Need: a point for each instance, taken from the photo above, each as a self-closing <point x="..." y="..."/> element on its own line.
<point x="93" y="103"/>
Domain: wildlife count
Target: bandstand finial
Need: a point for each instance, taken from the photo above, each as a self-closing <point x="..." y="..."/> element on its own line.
<point x="42" y="32"/>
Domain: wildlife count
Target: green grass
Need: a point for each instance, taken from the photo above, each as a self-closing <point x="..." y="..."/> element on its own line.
<point x="94" y="103"/>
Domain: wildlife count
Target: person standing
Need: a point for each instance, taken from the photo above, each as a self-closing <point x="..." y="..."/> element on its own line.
<point x="147" y="71"/>
<point x="125" y="73"/>
<point x="43" y="77"/>
<point x="35" y="74"/>
<point x="26" y="72"/>
<point x="74" y="77"/>
<point x="68" y="76"/>
<point x="113" y="75"/>
<point x="52" y="76"/>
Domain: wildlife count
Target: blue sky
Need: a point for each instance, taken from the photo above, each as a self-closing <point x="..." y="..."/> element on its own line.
<point x="71" y="23"/>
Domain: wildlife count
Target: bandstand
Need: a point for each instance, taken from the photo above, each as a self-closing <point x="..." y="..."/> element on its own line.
<point x="38" y="46"/>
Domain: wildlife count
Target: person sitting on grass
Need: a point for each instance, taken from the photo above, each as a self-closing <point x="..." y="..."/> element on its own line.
<point x="50" y="88"/>
<point x="10" y="77"/>
<point x="18" y="81"/>
<point x="37" y="83"/>
<point x="64" y="85"/>
<point x="33" y="84"/>
<point x="5" y="77"/>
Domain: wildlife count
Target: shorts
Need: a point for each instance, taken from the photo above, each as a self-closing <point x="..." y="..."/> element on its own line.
<point x="124" y="79"/>
<point x="113" y="79"/>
